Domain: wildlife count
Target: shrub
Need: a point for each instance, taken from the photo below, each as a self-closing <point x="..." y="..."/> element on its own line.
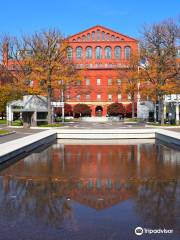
<point x="17" y="123"/>
<point x="128" y="109"/>
<point x="115" y="109"/>
<point x="67" y="110"/>
<point x="81" y="110"/>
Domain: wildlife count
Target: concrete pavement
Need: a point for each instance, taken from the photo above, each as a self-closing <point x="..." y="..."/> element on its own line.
<point x="20" y="132"/>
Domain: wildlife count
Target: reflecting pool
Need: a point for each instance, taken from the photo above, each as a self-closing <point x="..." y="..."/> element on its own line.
<point x="91" y="191"/>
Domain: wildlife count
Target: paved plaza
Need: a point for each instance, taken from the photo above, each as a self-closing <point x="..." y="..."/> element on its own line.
<point x="19" y="133"/>
<point x="22" y="132"/>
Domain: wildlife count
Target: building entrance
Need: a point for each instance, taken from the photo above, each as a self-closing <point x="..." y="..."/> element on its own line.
<point x="99" y="111"/>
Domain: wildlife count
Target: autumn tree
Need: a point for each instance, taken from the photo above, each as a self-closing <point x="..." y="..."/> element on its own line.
<point x="14" y="73"/>
<point x="8" y="92"/>
<point x="161" y="73"/>
<point x="14" y="61"/>
<point x="48" y="62"/>
<point x="133" y="78"/>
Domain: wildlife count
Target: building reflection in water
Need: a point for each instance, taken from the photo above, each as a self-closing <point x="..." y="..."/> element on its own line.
<point x="96" y="176"/>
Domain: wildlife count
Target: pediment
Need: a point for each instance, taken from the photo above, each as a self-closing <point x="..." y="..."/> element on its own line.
<point x="99" y="33"/>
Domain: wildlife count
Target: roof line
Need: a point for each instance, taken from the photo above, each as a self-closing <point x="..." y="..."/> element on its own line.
<point x="108" y="29"/>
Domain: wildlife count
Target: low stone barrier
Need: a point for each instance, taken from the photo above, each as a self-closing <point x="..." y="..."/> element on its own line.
<point x="168" y="136"/>
<point x="105" y="133"/>
<point x="26" y="144"/>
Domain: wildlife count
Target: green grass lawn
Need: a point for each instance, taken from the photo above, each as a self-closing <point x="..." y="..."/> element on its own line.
<point x="2" y="121"/>
<point x="4" y="132"/>
<point x="51" y="125"/>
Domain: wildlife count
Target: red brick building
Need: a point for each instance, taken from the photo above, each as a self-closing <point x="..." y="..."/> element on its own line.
<point x="102" y="54"/>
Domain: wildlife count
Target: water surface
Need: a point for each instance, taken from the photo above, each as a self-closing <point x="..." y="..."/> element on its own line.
<point x="91" y="192"/>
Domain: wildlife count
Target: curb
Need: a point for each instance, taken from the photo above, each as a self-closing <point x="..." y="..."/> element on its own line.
<point x="6" y="134"/>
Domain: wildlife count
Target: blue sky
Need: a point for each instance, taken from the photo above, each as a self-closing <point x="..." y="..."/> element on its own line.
<point x="23" y="16"/>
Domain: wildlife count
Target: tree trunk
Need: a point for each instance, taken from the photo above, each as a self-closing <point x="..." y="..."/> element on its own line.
<point x="132" y="107"/>
<point x="49" y="90"/>
<point x="161" y="110"/>
<point x="155" y="115"/>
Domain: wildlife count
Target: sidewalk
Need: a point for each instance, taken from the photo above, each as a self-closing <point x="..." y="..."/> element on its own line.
<point x="19" y="133"/>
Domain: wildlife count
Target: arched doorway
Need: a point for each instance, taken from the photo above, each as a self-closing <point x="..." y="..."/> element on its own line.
<point x="99" y="111"/>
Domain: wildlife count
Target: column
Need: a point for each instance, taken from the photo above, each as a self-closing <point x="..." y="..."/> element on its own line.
<point x="104" y="110"/>
<point x="155" y="113"/>
<point x="177" y="113"/>
<point x="93" y="113"/>
<point x="9" y="113"/>
<point x="164" y="111"/>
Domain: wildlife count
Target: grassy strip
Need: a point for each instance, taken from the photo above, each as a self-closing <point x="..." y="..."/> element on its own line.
<point x="17" y="123"/>
<point x="51" y="125"/>
<point x="165" y="125"/>
<point x="2" y="132"/>
<point x="2" y="121"/>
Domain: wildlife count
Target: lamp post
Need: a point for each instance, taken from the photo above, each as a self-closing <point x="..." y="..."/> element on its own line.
<point x="62" y="104"/>
<point x="138" y="95"/>
<point x="62" y="98"/>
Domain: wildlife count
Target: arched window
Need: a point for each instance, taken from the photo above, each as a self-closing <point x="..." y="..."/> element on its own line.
<point x="69" y="52"/>
<point x="108" y="53"/>
<point x="107" y="36"/>
<point x="79" y="52"/>
<point x="103" y="35"/>
<point x="88" y="36"/>
<point x="84" y="38"/>
<point x="112" y="37"/>
<point x="127" y="53"/>
<point x="117" y="52"/>
<point x="93" y="35"/>
<point x="88" y="52"/>
<point x="98" y="52"/>
<point x="98" y="34"/>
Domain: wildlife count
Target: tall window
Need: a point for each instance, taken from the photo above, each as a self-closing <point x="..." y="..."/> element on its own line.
<point x="98" y="34"/>
<point x="78" y="82"/>
<point x="127" y="53"/>
<point x="98" y="52"/>
<point x="107" y="36"/>
<point x="79" y="52"/>
<point x="88" y="36"/>
<point x="69" y="52"/>
<point x="109" y="82"/>
<point x="117" y="52"/>
<point x="108" y="53"/>
<point x="112" y="37"/>
<point x="87" y="97"/>
<point x="88" y="52"/>
<point x="98" y="81"/>
<point x="84" y="38"/>
<point x="103" y="36"/>
<point x="119" y="97"/>
<point x="99" y="97"/>
<point x="109" y="97"/>
<point x="78" y="97"/>
<point x="87" y="81"/>
<point x="93" y="35"/>
<point x="119" y="81"/>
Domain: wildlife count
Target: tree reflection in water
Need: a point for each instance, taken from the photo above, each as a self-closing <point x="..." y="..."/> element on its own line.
<point x="157" y="202"/>
<point x="97" y="176"/>
<point x="42" y="200"/>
